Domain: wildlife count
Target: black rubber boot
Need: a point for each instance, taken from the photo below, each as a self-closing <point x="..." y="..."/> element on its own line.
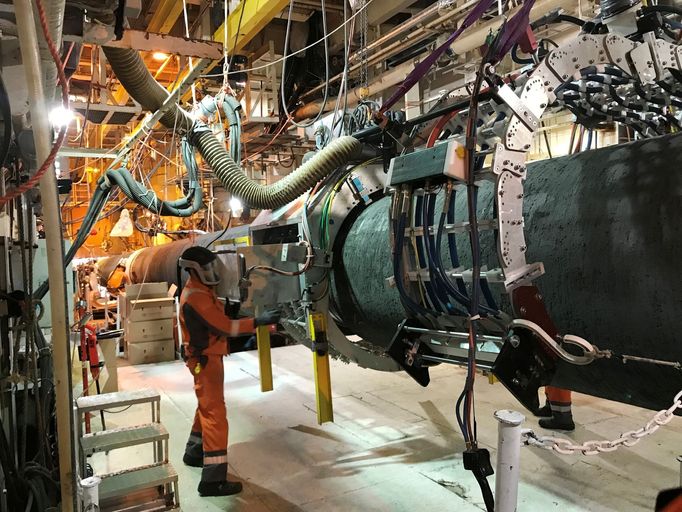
<point x="545" y="411"/>
<point x="224" y="488"/>
<point x="195" y="462"/>
<point x="558" y="422"/>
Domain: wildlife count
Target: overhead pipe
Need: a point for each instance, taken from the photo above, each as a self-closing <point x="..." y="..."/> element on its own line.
<point x="54" y="12"/>
<point x="469" y="41"/>
<point x="140" y="84"/>
<point x="30" y="55"/>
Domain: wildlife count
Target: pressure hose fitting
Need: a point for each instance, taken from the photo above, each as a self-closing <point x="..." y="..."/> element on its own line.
<point x="139" y="83"/>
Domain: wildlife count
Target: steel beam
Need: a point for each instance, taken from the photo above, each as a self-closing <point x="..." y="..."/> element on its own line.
<point x="380" y="12"/>
<point x="149" y="42"/>
<point x="165" y="16"/>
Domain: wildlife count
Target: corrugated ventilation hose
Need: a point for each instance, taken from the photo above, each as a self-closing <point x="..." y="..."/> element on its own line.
<point x="139" y="83"/>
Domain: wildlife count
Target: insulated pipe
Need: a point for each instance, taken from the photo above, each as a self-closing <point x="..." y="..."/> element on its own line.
<point x="470" y="40"/>
<point x="55" y="252"/>
<point x="136" y="79"/>
<point x="54" y="11"/>
<point x="508" y="467"/>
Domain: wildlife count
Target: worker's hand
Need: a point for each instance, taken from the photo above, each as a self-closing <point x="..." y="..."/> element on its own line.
<point x="268" y="317"/>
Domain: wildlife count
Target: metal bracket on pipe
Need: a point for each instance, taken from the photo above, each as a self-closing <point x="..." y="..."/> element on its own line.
<point x="589" y="351"/>
<point x="507" y="95"/>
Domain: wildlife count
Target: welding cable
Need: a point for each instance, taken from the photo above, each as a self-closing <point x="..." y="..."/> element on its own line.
<point x="421" y="259"/>
<point x="666" y="9"/>
<point x="435" y="258"/>
<point x="519" y="60"/>
<point x="208" y="106"/>
<point x="452" y="243"/>
<point x="436" y="272"/>
<point x="138" y="82"/>
<point x="310" y="256"/>
<point x="485" y="286"/>
<point x="412" y="306"/>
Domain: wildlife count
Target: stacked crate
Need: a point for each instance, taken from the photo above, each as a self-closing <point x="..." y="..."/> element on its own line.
<point x="147" y="316"/>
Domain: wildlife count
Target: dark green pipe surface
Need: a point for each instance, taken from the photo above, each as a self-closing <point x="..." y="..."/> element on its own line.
<point x="606" y="224"/>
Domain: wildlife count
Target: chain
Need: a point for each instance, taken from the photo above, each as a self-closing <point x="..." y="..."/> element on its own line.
<point x="631" y="438"/>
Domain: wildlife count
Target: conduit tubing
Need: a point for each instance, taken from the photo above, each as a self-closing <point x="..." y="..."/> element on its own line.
<point x="139" y="83"/>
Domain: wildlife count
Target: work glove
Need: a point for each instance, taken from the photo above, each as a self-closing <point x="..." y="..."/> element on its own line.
<point x="269" y="317"/>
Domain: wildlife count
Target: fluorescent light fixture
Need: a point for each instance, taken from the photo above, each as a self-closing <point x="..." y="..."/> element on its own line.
<point x="60" y="116"/>
<point x="159" y="56"/>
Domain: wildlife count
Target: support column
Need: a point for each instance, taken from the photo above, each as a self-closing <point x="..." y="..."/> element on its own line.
<point x="317" y="325"/>
<point x="42" y="134"/>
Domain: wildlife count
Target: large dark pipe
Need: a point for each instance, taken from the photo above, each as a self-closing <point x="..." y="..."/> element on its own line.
<point x="606" y="224"/>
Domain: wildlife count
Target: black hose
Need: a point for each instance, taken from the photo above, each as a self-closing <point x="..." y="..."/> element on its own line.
<point x="519" y="60"/>
<point x="666" y="9"/>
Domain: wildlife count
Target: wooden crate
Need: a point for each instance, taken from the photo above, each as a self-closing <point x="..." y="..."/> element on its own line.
<point x="151" y="352"/>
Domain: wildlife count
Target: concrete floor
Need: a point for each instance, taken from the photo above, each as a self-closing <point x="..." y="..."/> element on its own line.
<point x="393" y="447"/>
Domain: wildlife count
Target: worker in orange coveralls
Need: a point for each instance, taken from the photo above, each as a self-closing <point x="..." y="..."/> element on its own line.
<point x="557" y="411"/>
<point x="205" y="336"/>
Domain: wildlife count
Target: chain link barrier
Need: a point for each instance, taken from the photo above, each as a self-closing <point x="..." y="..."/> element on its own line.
<point x="567" y="447"/>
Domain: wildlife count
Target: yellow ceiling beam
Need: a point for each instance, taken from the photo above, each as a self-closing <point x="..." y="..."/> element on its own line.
<point x="165" y="16"/>
<point x="257" y="14"/>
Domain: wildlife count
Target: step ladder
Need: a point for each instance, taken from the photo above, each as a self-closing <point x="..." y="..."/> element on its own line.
<point x="153" y="486"/>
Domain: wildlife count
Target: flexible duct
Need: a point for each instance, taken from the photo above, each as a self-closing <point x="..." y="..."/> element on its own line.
<point x="136" y="79"/>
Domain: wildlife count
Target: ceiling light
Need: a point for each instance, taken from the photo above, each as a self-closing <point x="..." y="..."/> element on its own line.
<point x="160" y="56"/>
<point x="60" y="116"/>
<point x="236" y="207"/>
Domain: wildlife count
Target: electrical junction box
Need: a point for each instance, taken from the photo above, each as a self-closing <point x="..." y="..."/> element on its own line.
<point x="445" y="160"/>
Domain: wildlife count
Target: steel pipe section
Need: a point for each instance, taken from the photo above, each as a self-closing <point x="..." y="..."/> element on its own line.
<point x="605" y="223"/>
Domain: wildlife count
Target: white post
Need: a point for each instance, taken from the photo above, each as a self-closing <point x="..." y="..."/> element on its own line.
<point x="28" y="44"/>
<point x="508" y="459"/>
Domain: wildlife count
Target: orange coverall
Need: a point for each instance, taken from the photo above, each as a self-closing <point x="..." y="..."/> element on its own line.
<point x="205" y="333"/>
<point x="559" y="399"/>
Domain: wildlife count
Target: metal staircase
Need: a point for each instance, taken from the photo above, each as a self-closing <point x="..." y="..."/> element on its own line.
<point x="148" y="487"/>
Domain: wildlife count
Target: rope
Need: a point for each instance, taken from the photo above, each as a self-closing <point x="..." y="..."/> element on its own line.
<point x="35" y="179"/>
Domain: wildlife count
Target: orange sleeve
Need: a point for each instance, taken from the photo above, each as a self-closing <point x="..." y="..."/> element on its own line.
<point x="216" y="320"/>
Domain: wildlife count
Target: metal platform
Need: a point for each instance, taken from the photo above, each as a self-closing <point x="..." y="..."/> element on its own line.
<point x="120" y="399"/>
<point x="141" y="487"/>
<point x="132" y="480"/>
<point x="113" y="439"/>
